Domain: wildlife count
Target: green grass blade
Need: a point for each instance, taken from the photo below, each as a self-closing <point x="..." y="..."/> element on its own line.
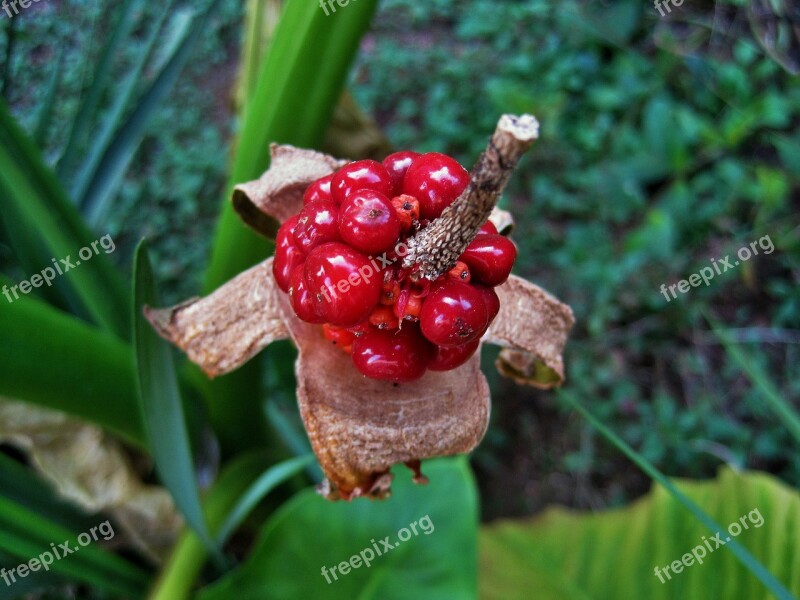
<point x="301" y="77"/>
<point x="26" y="535"/>
<point x="111" y="168"/>
<point x="740" y="552"/>
<point x="45" y="115"/>
<point x="102" y="72"/>
<point x="53" y="359"/>
<point x="162" y="407"/>
<point x="49" y="219"/>
<point x="113" y="120"/>
<point x="782" y="409"/>
<point x="262" y="486"/>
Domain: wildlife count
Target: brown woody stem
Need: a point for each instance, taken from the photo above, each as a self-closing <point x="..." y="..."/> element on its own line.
<point x="436" y="248"/>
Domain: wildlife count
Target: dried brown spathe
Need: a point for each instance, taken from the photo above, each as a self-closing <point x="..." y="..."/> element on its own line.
<point x="359" y="427"/>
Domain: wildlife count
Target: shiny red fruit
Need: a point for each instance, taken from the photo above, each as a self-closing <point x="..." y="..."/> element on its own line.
<point x="454" y="356"/>
<point x="436" y="180"/>
<point x="400" y="355"/>
<point x="397" y="164"/>
<point x="490" y="258"/>
<point x="287" y="255"/>
<point x="319" y="190"/>
<point x="346" y="286"/>
<point x="301" y="298"/>
<point x="360" y="175"/>
<point x="369" y="222"/>
<point x="487" y="227"/>
<point x="491" y="300"/>
<point x="454" y="313"/>
<point x="318" y="223"/>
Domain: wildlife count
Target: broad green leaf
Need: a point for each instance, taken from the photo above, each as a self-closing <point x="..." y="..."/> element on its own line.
<point x="613" y="554"/>
<point x="745" y="558"/>
<point x="161" y="405"/>
<point x="53" y="359"/>
<point x="47" y="218"/>
<point x="26" y="535"/>
<point x="309" y="533"/>
<point x="111" y="168"/>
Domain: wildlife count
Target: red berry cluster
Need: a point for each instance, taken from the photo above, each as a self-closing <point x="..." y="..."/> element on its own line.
<point x="340" y="261"/>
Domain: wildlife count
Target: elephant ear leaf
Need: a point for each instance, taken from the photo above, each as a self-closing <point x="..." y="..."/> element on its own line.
<point x="557" y="555"/>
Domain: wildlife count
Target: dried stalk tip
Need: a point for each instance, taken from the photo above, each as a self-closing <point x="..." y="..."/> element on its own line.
<point x="436" y="248"/>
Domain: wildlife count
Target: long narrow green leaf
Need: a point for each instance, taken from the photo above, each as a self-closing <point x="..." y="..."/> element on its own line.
<point x="45" y="114"/>
<point x="162" y="407"/>
<point x="262" y="486"/>
<point x="113" y="119"/>
<point x="53" y="359"/>
<point x="102" y="72"/>
<point x="301" y="78"/>
<point x="782" y="409"/>
<point x="26" y="535"/>
<point x="111" y="169"/>
<point x="734" y="547"/>
<point x="49" y="219"/>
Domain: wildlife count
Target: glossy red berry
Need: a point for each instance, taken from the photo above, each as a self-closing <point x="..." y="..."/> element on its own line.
<point x="491" y="300"/>
<point x="490" y="258"/>
<point x="339" y="337"/>
<point x="301" y="298"/>
<point x="436" y="180"/>
<point x="345" y="284"/>
<point x="487" y="227"/>
<point x="453" y="313"/>
<point x="383" y="317"/>
<point x="400" y="355"/>
<point x="318" y="224"/>
<point x="368" y="222"/>
<point x="396" y="165"/>
<point x="454" y="356"/>
<point x="360" y="175"/>
<point x="287" y="255"/>
<point x="460" y="272"/>
<point x="319" y="190"/>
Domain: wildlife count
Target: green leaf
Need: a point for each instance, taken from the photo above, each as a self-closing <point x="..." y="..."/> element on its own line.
<point x="297" y="90"/>
<point x="268" y="481"/>
<point x="47" y="218"/>
<point x="102" y="73"/>
<point x="309" y="533"/>
<point x="112" y="167"/>
<point x="733" y="547"/>
<point x="26" y="535"/>
<point x="162" y="406"/>
<point x="563" y="554"/>
<point x="113" y="119"/>
<point x="53" y="359"/>
<point x="783" y="410"/>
